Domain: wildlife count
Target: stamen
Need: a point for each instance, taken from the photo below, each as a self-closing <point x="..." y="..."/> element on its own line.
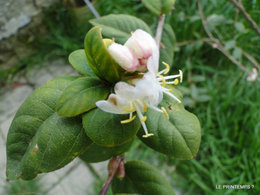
<point x="165" y="113"/>
<point x="169" y="90"/>
<point x="155" y="108"/>
<point x="176" y="82"/>
<point x="145" y="107"/>
<point x="170" y="77"/>
<point x="167" y="67"/>
<point x="181" y="75"/>
<point x="128" y="120"/>
<point x="163" y="80"/>
<point x="144" y="119"/>
<point x="132" y="33"/>
<point x="171" y="95"/>
<point x="148" y="135"/>
<point x="130" y="109"/>
<point x="139" y="113"/>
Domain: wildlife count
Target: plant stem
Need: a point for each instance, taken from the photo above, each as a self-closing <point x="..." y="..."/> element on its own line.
<point x="159" y="29"/>
<point x="246" y="15"/>
<point x="112" y="169"/>
<point x="92" y="8"/>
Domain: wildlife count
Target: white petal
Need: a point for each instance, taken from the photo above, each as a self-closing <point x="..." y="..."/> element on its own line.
<point x="153" y="62"/>
<point x="124" y="57"/>
<point x="142" y="44"/>
<point x="126" y="91"/>
<point x="110" y="107"/>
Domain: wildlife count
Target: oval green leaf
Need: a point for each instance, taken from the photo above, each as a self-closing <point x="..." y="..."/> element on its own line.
<point x="96" y="153"/>
<point x="168" y="44"/>
<point x="79" y="61"/>
<point x="120" y="26"/>
<point x="142" y="178"/>
<point x="99" y="59"/>
<point x="159" y="7"/>
<point x="179" y="136"/>
<point x="81" y="95"/>
<point x="39" y="140"/>
<point x="106" y="129"/>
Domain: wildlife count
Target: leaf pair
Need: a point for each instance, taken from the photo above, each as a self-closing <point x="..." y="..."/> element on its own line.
<point x="142" y="178"/>
<point x="159" y="7"/>
<point x="39" y="140"/>
<point x="120" y="26"/>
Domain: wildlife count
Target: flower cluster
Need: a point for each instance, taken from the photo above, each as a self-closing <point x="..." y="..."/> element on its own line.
<point x="139" y="54"/>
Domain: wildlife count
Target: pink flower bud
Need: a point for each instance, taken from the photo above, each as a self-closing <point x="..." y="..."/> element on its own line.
<point x="142" y="44"/>
<point x="124" y="57"/>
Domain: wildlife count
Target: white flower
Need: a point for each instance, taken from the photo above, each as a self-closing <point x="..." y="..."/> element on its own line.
<point x="127" y="100"/>
<point x="133" y="55"/>
<point x="139" y="53"/>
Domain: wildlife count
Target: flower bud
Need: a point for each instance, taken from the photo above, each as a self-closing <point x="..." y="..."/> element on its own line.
<point x="142" y="44"/>
<point x="124" y="57"/>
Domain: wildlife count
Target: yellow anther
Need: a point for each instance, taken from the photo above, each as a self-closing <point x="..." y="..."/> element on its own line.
<point x="165" y="112"/>
<point x="145" y="106"/>
<point x="132" y="33"/>
<point x="181" y="75"/>
<point x="167" y="67"/>
<point x="128" y="120"/>
<point x="144" y="119"/>
<point x="147" y="135"/>
<point x="169" y="90"/>
<point x="113" y="40"/>
<point x="163" y="80"/>
<point x="130" y="109"/>
<point x="176" y="82"/>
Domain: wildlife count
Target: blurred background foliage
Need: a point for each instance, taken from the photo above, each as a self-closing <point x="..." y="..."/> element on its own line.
<point x="215" y="89"/>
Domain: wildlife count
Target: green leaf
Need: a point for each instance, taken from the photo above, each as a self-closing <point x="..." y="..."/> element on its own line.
<point x="79" y="61"/>
<point x="230" y="44"/>
<point x="119" y="26"/>
<point x="159" y="6"/>
<point x="142" y="178"/>
<point x="106" y="129"/>
<point x="39" y="140"/>
<point x="96" y="153"/>
<point x="99" y="59"/>
<point x="179" y="136"/>
<point x="168" y="42"/>
<point x="81" y="95"/>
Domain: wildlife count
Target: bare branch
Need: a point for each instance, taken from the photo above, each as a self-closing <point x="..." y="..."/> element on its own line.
<point x="92" y="8"/>
<point x="246" y="15"/>
<point x="216" y="43"/>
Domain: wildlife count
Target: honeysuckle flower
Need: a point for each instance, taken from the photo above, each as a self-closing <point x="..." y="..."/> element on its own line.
<point x="127" y="100"/>
<point x="140" y="53"/>
<point x="133" y="55"/>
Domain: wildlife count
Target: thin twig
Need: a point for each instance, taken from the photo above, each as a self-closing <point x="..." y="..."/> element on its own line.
<point x="216" y="43"/>
<point x="112" y="169"/>
<point x="159" y="29"/>
<point x="61" y="178"/>
<point x="251" y="59"/>
<point x="246" y="15"/>
<point x="210" y="42"/>
<point x="92" y="170"/>
<point x="92" y="8"/>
